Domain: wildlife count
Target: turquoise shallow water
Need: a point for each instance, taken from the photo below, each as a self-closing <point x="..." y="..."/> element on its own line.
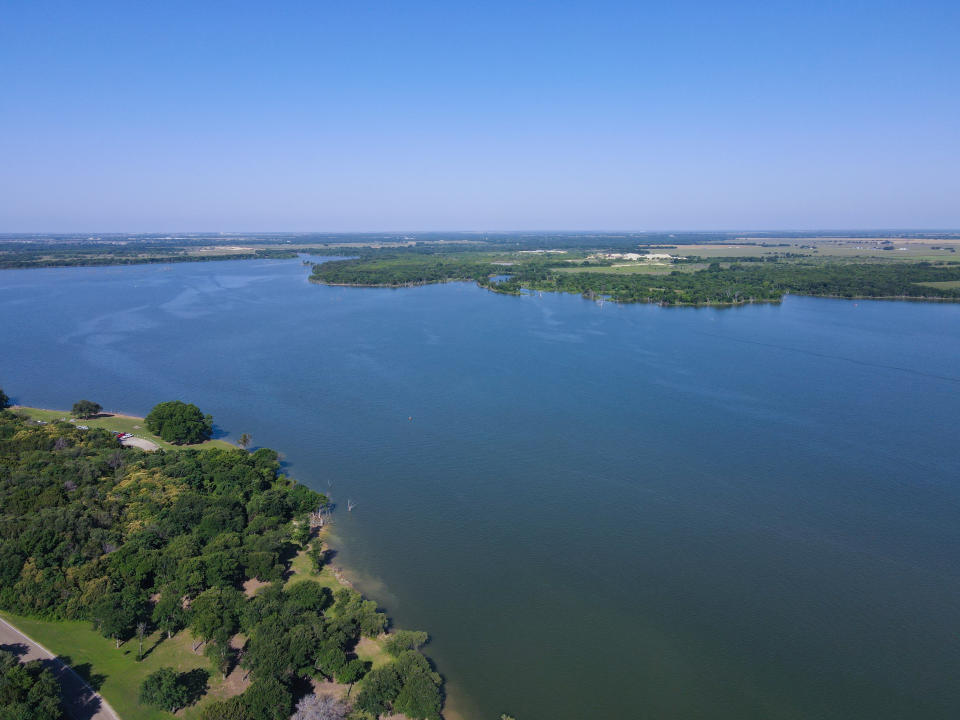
<point x="625" y="511"/>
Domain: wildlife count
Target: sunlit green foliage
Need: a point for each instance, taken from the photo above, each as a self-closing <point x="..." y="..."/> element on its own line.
<point x="179" y="423"/>
<point x="27" y="690"/>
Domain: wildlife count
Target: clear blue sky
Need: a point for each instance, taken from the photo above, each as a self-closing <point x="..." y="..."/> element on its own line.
<point x="167" y="116"/>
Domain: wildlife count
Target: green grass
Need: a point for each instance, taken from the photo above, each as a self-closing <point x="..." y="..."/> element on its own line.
<point x="116" y="672"/>
<point x="945" y="284"/>
<point x="640" y="268"/>
<point x="116" y="423"/>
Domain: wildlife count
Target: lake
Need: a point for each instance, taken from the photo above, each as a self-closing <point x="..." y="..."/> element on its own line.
<point x="616" y="511"/>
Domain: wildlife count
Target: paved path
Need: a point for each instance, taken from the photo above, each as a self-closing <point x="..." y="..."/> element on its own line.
<point x="141" y="443"/>
<point x="80" y="700"/>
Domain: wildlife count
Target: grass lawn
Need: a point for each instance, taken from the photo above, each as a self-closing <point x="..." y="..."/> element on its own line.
<point x="944" y="284"/>
<point x="117" y="423"/>
<point x="116" y="672"/>
<point x="639" y="268"/>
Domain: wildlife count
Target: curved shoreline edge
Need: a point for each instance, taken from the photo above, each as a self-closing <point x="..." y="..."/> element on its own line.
<point x="299" y="568"/>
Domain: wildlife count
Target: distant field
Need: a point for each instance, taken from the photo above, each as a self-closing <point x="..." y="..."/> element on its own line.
<point x="945" y="284"/>
<point x="115" y="423"/>
<point x="639" y="268"/>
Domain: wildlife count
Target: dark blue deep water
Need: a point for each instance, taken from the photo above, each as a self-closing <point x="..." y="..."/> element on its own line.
<point x="597" y="512"/>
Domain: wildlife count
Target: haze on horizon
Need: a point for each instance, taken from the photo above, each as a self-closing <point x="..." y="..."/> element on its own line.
<point x="118" y="117"/>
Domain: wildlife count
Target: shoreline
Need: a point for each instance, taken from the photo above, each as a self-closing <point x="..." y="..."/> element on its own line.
<point x="650" y="301"/>
<point x="324" y="534"/>
<point x="116" y="422"/>
<point x="451" y="708"/>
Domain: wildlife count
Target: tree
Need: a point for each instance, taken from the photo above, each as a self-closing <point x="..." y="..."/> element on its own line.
<point x="268" y="699"/>
<point x="352" y="671"/>
<point x="86" y="409"/>
<point x="215" y="612"/>
<point x="245" y="441"/>
<point x="220" y="653"/>
<point x="141" y="631"/>
<point x="115" y="614"/>
<point x="403" y="640"/>
<point x="179" y="423"/>
<point x="27" y="690"/>
<point x="419" y="698"/>
<point x="168" y="613"/>
<point x="163" y="689"/>
<point x="4" y="400"/>
<point x="379" y="690"/>
<point x="420" y="695"/>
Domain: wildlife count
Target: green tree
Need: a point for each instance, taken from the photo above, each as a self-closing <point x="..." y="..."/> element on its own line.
<point x="163" y="689"/>
<point x="380" y="689"/>
<point x="419" y="698"/>
<point x="179" y="423"/>
<point x="245" y="440"/>
<point x="168" y="613"/>
<point x="268" y="699"/>
<point x="402" y="640"/>
<point x="86" y="409"/>
<point x="116" y="614"/>
<point x="420" y="695"/>
<point x="220" y="653"/>
<point x="4" y="400"/>
<point x="27" y="690"/>
<point x="215" y="611"/>
<point x="352" y="671"/>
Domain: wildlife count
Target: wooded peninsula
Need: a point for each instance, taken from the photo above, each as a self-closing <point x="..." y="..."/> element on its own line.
<point x="190" y="580"/>
<point x="667" y="280"/>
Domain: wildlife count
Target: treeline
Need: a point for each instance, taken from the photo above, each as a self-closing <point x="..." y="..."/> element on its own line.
<point x="112" y="255"/>
<point x="135" y="541"/>
<point x="741" y="283"/>
<point x="401" y="269"/>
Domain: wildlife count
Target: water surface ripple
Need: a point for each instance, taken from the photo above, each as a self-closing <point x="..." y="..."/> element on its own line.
<point x="616" y="511"/>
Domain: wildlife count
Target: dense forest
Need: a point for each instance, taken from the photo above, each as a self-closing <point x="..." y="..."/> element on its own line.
<point x="129" y="541"/>
<point x="397" y="269"/>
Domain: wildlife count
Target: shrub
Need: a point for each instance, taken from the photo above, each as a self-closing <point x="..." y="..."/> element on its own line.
<point x="403" y="640"/>
<point x="163" y="689"/>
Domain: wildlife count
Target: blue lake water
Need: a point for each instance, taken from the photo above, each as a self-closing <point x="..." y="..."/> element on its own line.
<point x="597" y="512"/>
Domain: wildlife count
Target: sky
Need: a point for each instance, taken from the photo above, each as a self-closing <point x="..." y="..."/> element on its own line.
<point x="365" y="116"/>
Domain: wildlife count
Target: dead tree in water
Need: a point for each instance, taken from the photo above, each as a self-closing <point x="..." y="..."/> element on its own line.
<point x="350" y="505"/>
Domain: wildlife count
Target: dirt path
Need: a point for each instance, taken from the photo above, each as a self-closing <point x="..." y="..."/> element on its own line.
<point x="80" y="700"/>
